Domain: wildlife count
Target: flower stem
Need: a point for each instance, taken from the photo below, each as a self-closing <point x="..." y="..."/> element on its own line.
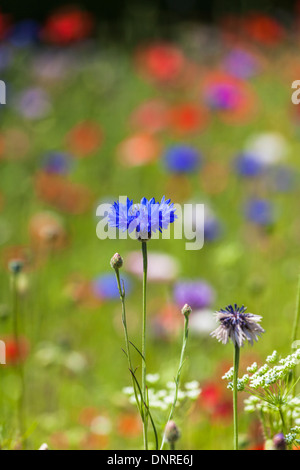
<point x="177" y="379"/>
<point x="295" y="325"/>
<point x="15" y="317"/>
<point x="236" y="361"/>
<point x="297" y="314"/>
<point x="124" y="322"/>
<point x="144" y="329"/>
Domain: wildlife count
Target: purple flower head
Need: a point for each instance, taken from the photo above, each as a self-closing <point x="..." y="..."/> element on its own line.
<point x="105" y="286"/>
<point x="182" y="159"/>
<point x="241" y="64"/>
<point x="237" y="325"/>
<point x="143" y="218"/>
<point x="196" y="293"/>
<point x="57" y="163"/>
<point x="33" y="103"/>
<point x="223" y="96"/>
<point x="248" y="165"/>
<point x="259" y="211"/>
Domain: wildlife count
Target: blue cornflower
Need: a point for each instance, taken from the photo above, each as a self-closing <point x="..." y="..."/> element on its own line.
<point x="259" y="211"/>
<point x="145" y="217"/>
<point x="182" y="159"/>
<point x="248" y="165"/>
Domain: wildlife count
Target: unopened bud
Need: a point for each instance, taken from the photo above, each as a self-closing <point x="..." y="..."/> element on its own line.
<point x="186" y="310"/>
<point x="279" y="442"/>
<point x="117" y="261"/>
<point x="172" y="432"/>
<point x="16" y="266"/>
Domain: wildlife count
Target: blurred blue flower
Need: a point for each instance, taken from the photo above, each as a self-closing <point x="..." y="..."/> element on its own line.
<point x="196" y="293"/>
<point x="5" y="56"/>
<point x="260" y="211"/>
<point x="33" y="103"/>
<point x="283" y="179"/>
<point x="248" y="165"/>
<point x="105" y="286"/>
<point x="57" y="162"/>
<point x="24" y="33"/>
<point x="145" y="217"/>
<point x="212" y="228"/>
<point x="182" y="159"/>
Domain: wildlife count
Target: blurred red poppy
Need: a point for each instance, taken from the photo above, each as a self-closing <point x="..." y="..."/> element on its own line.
<point x="150" y="117"/>
<point x="139" y="149"/>
<point x="4" y="25"/>
<point x="187" y="118"/>
<point x="93" y="441"/>
<point x="69" y="197"/>
<point x="67" y="25"/>
<point x="129" y="425"/>
<point x="263" y="29"/>
<point x="59" y="441"/>
<point x="167" y="322"/>
<point x="16" y="352"/>
<point x="84" y="139"/>
<point x="216" y="402"/>
<point x="160" y="62"/>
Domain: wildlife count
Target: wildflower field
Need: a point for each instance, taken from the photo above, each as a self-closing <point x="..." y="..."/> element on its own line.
<point x="204" y="116"/>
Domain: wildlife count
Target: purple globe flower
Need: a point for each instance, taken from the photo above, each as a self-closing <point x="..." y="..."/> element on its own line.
<point x="248" y="165"/>
<point x="182" y="159"/>
<point x="260" y="211"/>
<point x="196" y="293"/>
<point x="105" y="286"/>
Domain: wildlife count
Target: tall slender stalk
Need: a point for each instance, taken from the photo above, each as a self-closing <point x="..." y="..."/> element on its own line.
<point x="124" y="322"/>
<point x="16" y="334"/>
<point x="177" y="378"/>
<point x="295" y="327"/>
<point x="144" y="329"/>
<point x="297" y="314"/>
<point x="236" y="361"/>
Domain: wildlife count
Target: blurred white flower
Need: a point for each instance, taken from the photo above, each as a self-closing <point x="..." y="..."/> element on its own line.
<point x="202" y="322"/>
<point x="161" y="267"/>
<point x="268" y="147"/>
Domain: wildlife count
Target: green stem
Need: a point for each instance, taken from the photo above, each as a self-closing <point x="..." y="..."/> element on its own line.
<point x="15" y="315"/>
<point x="236" y="361"/>
<point x="144" y="328"/>
<point x="177" y="379"/>
<point x="296" y="324"/>
<point x="297" y="314"/>
<point x="124" y="322"/>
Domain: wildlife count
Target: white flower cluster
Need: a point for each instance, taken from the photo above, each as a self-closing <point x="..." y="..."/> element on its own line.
<point x="291" y="437"/>
<point x="162" y="399"/>
<point x="266" y="376"/>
